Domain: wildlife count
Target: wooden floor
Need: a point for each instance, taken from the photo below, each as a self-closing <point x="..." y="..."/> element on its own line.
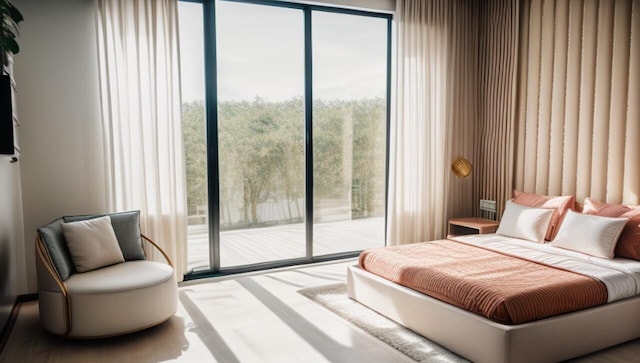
<point x="256" y="317"/>
<point x="256" y="245"/>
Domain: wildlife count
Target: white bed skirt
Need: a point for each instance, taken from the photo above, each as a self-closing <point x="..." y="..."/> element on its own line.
<point x="482" y="340"/>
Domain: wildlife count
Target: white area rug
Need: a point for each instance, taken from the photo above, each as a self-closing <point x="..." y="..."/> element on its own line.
<point x="334" y="297"/>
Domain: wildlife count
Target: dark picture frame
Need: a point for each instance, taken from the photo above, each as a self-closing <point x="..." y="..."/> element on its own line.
<point x="7" y="142"/>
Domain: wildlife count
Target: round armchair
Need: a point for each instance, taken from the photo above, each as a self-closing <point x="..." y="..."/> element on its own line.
<point x="130" y="294"/>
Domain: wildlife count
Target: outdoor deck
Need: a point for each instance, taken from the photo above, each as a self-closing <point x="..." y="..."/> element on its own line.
<point x="249" y="246"/>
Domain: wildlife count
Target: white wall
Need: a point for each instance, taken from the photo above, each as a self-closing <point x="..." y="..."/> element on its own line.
<point x="56" y="73"/>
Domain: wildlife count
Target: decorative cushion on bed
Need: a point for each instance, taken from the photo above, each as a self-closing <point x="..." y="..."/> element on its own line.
<point x="593" y="235"/>
<point x="126" y="226"/>
<point x="524" y="222"/>
<point x="629" y="242"/>
<point x="92" y="243"/>
<point x="559" y="205"/>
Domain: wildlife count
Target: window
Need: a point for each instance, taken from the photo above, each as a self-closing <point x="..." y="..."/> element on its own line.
<point x="286" y="145"/>
<point x="349" y="131"/>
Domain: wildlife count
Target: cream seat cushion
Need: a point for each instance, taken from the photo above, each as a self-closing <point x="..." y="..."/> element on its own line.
<point x="132" y="275"/>
<point x="114" y="300"/>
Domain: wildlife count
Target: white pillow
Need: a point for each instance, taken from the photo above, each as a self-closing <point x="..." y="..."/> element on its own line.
<point x="524" y="222"/>
<point x="92" y="243"/>
<point x="593" y="235"/>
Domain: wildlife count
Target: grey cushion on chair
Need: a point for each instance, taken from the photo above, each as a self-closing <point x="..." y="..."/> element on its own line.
<point x="126" y="226"/>
<point x="53" y="238"/>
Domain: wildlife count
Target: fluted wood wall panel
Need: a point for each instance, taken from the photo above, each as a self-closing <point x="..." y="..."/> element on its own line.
<point x="557" y="105"/>
<point x="578" y="99"/>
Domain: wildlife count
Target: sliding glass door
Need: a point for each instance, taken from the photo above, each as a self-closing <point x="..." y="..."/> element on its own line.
<point x="293" y="128"/>
<point x="194" y="133"/>
<point x="261" y="133"/>
<point x="349" y="131"/>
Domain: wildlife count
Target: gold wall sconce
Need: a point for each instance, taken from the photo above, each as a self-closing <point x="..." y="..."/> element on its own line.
<point x="461" y="167"/>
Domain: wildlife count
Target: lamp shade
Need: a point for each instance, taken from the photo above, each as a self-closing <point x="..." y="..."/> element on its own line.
<point x="461" y="167"/>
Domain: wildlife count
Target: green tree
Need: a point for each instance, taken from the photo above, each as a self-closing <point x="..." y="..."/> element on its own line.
<point x="290" y="167"/>
<point x="369" y="157"/>
<point x="195" y="150"/>
<point x="328" y="130"/>
<point x="260" y="144"/>
<point x="261" y="156"/>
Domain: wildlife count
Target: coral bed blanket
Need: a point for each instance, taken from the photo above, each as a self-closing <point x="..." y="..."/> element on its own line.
<point x="503" y="288"/>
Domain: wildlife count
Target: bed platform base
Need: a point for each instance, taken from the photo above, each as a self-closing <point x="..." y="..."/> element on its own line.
<point x="482" y="340"/>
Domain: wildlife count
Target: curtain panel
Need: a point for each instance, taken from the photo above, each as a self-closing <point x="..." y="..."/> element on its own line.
<point x="140" y="93"/>
<point x="496" y="130"/>
<point x="579" y="100"/>
<point x="435" y="118"/>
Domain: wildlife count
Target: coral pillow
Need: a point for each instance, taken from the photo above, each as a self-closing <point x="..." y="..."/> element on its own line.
<point x="629" y="242"/>
<point x="560" y="205"/>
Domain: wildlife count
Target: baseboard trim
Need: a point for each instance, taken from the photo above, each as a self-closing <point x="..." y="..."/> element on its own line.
<point x="13" y="316"/>
<point x="26" y="297"/>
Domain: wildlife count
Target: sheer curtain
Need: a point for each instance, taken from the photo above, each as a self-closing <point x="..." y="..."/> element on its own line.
<point x="579" y="100"/>
<point x="140" y="91"/>
<point x="437" y="52"/>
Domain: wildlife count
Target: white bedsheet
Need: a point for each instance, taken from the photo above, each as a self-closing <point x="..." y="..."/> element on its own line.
<point x="621" y="276"/>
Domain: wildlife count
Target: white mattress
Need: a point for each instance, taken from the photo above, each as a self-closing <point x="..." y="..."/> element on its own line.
<point x="620" y="276"/>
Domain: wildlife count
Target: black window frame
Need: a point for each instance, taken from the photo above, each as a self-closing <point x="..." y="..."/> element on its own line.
<point x="211" y="119"/>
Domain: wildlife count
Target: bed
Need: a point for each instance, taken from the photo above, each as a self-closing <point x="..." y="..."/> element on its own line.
<point x="556" y="337"/>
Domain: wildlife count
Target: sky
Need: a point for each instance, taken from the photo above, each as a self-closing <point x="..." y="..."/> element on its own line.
<point x="261" y="53"/>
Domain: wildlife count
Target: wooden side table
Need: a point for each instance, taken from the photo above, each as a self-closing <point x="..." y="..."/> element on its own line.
<point x="462" y="226"/>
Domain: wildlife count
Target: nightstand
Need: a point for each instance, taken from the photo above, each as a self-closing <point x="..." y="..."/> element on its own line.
<point x="462" y="226"/>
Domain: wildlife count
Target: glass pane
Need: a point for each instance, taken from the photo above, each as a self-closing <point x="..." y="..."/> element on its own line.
<point x="349" y="131"/>
<point x="260" y="132"/>
<point x="194" y="134"/>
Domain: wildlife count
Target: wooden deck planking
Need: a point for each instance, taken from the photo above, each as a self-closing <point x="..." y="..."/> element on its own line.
<point x="248" y="246"/>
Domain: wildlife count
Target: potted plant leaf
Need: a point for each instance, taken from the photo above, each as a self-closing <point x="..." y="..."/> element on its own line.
<point x="10" y="18"/>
